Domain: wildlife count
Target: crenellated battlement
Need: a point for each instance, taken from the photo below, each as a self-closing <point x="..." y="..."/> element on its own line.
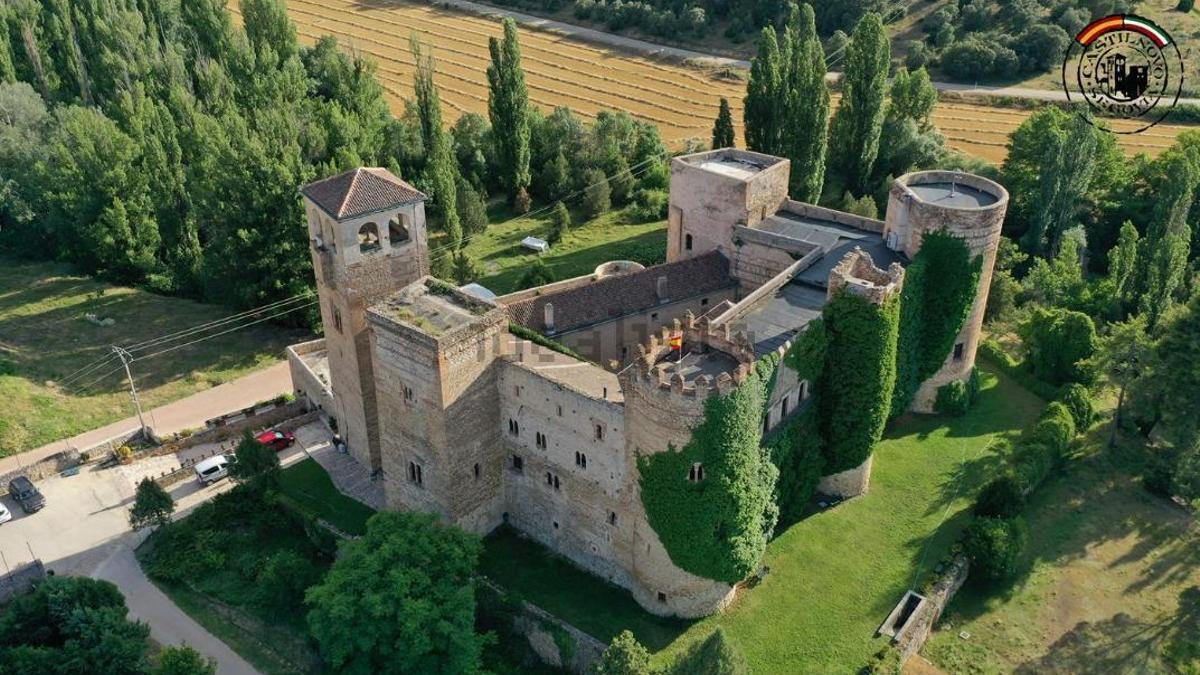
<point x="858" y="274"/>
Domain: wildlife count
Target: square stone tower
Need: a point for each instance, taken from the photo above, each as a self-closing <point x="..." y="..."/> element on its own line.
<point x="367" y="238"/>
<point x="713" y="191"/>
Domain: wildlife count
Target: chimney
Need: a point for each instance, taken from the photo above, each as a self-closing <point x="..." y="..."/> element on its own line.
<point x="548" y="319"/>
<point x="660" y="289"/>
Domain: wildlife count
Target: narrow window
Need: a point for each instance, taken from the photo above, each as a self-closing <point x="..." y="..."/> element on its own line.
<point x="958" y="352"/>
<point x="581" y="460"/>
<point x="414" y="473"/>
<point x="549" y="479"/>
<point x="803" y="390"/>
<point x="612" y="518"/>
<point x="518" y="464"/>
<point x="337" y="319"/>
<point x="476" y="470"/>
<point x="513" y="428"/>
<point x="783" y="410"/>
<point x="555" y="522"/>
<point x="599" y="432"/>
<point x="560" y="411"/>
<point x="696" y="473"/>
<point x="540" y="440"/>
<point x="408" y="394"/>
<point x="687" y="242"/>
<point x="517" y="390"/>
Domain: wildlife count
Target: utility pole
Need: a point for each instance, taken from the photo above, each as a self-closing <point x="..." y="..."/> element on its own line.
<point x="126" y="357"/>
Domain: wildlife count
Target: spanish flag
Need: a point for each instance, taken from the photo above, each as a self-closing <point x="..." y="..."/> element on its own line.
<point x="676" y="342"/>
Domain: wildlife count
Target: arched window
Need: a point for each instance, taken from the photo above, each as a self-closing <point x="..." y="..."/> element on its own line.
<point x="368" y="238"/>
<point x="398" y="231"/>
<point x="696" y="473"/>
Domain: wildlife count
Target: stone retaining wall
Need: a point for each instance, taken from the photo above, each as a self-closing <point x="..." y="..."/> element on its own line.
<point x="20" y="579"/>
<point x="919" y="627"/>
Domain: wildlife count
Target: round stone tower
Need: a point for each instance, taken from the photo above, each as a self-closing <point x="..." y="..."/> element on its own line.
<point x="664" y="401"/>
<point x="969" y="207"/>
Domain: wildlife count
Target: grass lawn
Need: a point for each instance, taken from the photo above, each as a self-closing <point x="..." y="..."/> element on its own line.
<point x="311" y="489"/>
<point x="836" y="575"/>
<point x="556" y="585"/>
<point x="45" y="337"/>
<point x="1106" y="582"/>
<point x="610" y="236"/>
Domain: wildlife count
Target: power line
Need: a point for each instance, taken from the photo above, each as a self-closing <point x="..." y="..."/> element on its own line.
<point x="226" y="332"/>
<point x="217" y="322"/>
<point x="84" y="370"/>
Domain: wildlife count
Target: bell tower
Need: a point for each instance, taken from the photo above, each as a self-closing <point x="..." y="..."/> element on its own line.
<point x="367" y="238"/>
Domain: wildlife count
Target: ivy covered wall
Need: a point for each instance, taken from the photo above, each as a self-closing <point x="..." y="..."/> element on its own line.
<point x="939" y="288"/>
<point x="717" y="527"/>
<point x="855" y="390"/>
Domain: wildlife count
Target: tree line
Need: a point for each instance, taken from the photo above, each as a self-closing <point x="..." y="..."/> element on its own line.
<point x="154" y="143"/>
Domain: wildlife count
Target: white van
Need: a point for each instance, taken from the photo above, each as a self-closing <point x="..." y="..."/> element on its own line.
<point x="213" y="469"/>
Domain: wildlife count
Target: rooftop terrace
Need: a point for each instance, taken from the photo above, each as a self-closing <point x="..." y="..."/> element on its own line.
<point x="739" y="164"/>
<point x="432" y="306"/>
<point x="953" y="195"/>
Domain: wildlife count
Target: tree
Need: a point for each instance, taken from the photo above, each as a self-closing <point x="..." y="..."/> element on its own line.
<point x="1185" y="477"/>
<point x="441" y="169"/>
<point x="994" y="546"/>
<point x="555" y="180"/>
<point x="256" y="464"/>
<point x="152" y="505"/>
<point x="760" y="107"/>
<point x="183" y="660"/>
<point x="806" y="108"/>
<point x="1179" y="352"/>
<point x="508" y="109"/>
<point x="1122" y="262"/>
<point x="1060" y="343"/>
<point x="400" y="599"/>
<point x="1122" y="358"/>
<point x="856" y="127"/>
<point x="624" y="656"/>
<point x="472" y="208"/>
<point x="913" y="97"/>
<point x="1167" y="245"/>
<point x="283" y="579"/>
<point x="1070" y="161"/>
<point x="597" y="196"/>
<point x="722" y="135"/>
<point x="538" y="274"/>
<point x="560" y="223"/>
<point x="465" y="269"/>
<point x="268" y="27"/>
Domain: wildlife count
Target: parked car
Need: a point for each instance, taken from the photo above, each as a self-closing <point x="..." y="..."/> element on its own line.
<point x="276" y="440"/>
<point x="27" y="495"/>
<point x="5" y="514"/>
<point x="213" y="469"/>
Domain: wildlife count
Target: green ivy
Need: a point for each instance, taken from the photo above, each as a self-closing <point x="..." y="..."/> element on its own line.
<point x="717" y="528"/>
<point x="795" y="449"/>
<point x="807" y="354"/>
<point x="939" y="289"/>
<point x="859" y="377"/>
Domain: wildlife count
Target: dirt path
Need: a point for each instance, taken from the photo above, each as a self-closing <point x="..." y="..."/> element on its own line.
<point x="189" y="412"/>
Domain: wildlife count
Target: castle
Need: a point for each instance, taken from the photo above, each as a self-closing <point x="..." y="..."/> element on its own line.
<point x="463" y="418"/>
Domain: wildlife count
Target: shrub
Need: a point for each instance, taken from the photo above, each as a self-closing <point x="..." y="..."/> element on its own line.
<point x="283" y="579"/>
<point x="597" y="196"/>
<point x="1000" y="498"/>
<point x="952" y="399"/>
<point x="1060" y="342"/>
<point x="994" y="547"/>
<point x="650" y="205"/>
<point x="1031" y="463"/>
<point x="1157" y="476"/>
<point x="152" y="505"/>
<point x="1078" y="400"/>
<point x="1055" y="428"/>
<point x="1185" y="5"/>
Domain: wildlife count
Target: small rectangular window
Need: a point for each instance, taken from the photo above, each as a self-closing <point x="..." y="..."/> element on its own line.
<point x="687" y="242"/>
<point x="599" y="432"/>
<point x="958" y="352"/>
<point x="518" y="464"/>
<point x="560" y="411"/>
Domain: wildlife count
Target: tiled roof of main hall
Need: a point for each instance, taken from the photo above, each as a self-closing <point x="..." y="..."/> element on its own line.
<point x="359" y="192"/>
<point x="617" y="296"/>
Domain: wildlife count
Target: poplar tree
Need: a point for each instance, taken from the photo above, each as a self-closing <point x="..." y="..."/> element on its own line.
<point x="722" y="135"/>
<point x="441" y="169"/>
<point x="1066" y="176"/>
<point x="1165" y="249"/>
<point x="859" y="119"/>
<point x="806" y="106"/>
<point x="508" y="106"/>
<point x="761" y="105"/>
<point x="1122" y="262"/>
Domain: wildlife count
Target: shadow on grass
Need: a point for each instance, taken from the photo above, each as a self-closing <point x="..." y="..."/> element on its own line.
<point x="1123" y="644"/>
<point x="550" y="581"/>
<point x="576" y="263"/>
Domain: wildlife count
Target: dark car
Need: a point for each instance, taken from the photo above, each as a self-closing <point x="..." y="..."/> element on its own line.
<point x="28" y="496"/>
<point x="276" y="440"/>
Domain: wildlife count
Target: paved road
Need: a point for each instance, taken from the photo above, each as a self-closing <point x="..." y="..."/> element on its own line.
<point x="189" y="412"/>
<point x="84" y="531"/>
<point x="712" y="60"/>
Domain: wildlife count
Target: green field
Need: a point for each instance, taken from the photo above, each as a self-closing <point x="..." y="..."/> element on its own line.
<point x="610" y="236"/>
<point x="1111" y="581"/>
<point x="44" y="337"/>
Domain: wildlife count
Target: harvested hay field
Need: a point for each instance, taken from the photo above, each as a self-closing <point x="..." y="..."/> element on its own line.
<point x="564" y="71"/>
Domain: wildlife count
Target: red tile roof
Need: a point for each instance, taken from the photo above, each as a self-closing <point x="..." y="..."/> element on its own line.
<point x="359" y="192"/>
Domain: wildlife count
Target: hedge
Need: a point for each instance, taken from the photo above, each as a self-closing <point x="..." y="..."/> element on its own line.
<point x="717" y="527"/>
<point x="1078" y="399"/>
<point x="957" y="397"/>
<point x="994" y="547"/>
<point x="1001" y="498"/>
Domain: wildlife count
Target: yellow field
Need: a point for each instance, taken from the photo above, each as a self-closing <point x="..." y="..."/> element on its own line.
<point x="562" y="71"/>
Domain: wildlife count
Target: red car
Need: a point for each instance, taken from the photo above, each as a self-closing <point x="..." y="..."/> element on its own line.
<point x="276" y="440"/>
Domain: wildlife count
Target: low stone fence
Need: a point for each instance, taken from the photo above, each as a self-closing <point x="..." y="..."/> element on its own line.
<point x="557" y="642"/>
<point x="912" y="636"/>
<point x="69" y="458"/>
<point x="20" y="579"/>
